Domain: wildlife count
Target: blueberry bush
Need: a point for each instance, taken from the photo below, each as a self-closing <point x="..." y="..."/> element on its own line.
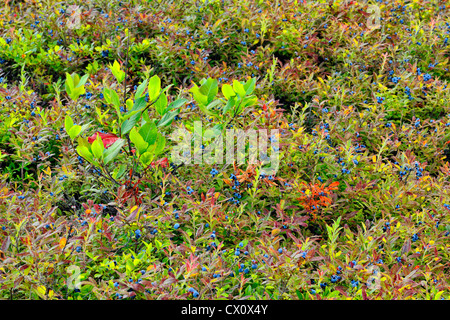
<point x="93" y="207"/>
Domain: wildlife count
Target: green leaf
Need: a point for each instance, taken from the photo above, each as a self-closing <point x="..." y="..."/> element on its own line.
<point x="160" y="144"/>
<point x="128" y="124"/>
<point x="113" y="150"/>
<point x="211" y="106"/>
<point x="154" y="88"/>
<point x="230" y="104"/>
<point x="210" y="88"/>
<point x="84" y="142"/>
<point x="146" y="117"/>
<point x="139" y="103"/>
<point x="218" y="127"/>
<point x="85" y="153"/>
<point x="107" y="95"/>
<point x="438" y="295"/>
<point x="249" y="86"/>
<point x="139" y="142"/>
<point x="68" y="123"/>
<point x="149" y="132"/>
<point x="129" y="104"/>
<point x="76" y="79"/>
<point x="74" y="131"/>
<point x="133" y="115"/>
<point x="115" y="98"/>
<point x="129" y="265"/>
<point x="168" y="118"/>
<point x="76" y="92"/>
<point x="140" y="89"/>
<point x="228" y="91"/>
<point x="201" y="99"/>
<point x="97" y="147"/>
<point x="68" y="89"/>
<point x="69" y="81"/>
<point x="161" y="104"/>
<point x="249" y="101"/>
<point x="118" y="74"/>
<point x="83" y="80"/>
<point x="129" y="114"/>
<point x="118" y="172"/>
<point x="176" y="104"/>
<point x="146" y="158"/>
<point x="238" y="88"/>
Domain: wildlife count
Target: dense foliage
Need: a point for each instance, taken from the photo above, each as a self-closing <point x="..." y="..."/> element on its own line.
<point x="91" y="90"/>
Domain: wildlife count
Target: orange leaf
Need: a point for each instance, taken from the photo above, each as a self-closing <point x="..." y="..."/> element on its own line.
<point x="334" y="185"/>
<point x="62" y="243"/>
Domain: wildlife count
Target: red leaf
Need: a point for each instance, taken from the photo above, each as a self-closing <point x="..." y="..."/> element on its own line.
<point x="107" y="138"/>
<point x="164" y="163"/>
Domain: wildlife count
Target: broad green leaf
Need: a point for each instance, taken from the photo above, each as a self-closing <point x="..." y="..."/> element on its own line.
<point x="151" y="149"/>
<point x="68" y="123"/>
<point x="140" y="89"/>
<point x="201" y="99"/>
<point x="238" y="88"/>
<point x="69" y="81"/>
<point x="230" y="104"/>
<point x="83" y="80"/>
<point x="154" y="88"/>
<point x="118" y="74"/>
<point x="218" y="127"/>
<point x="248" y="101"/>
<point x="76" y="79"/>
<point x="97" y="147"/>
<point x="146" y="158"/>
<point x="68" y="89"/>
<point x="149" y="132"/>
<point x="128" y="124"/>
<point x="107" y="94"/>
<point x="84" y="142"/>
<point x="138" y="141"/>
<point x="209" y="89"/>
<point x="146" y="117"/>
<point x="139" y="104"/>
<point x="76" y="92"/>
<point x="160" y="144"/>
<point x="74" y="131"/>
<point x="118" y="172"/>
<point x="213" y="104"/>
<point x="129" y="104"/>
<point x="176" y="104"/>
<point x="161" y="104"/>
<point x="168" y="118"/>
<point x="115" y="98"/>
<point x="129" y="114"/>
<point x="85" y="153"/>
<point x="113" y="150"/>
<point x="228" y="91"/>
<point x="249" y="86"/>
